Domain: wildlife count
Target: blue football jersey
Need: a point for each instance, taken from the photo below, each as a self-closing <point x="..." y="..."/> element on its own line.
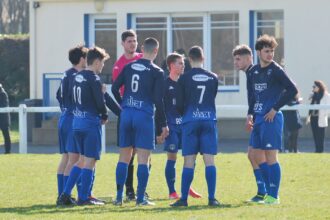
<point x="64" y="92"/>
<point x="144" y="84"/>
<point x="268" y="88"/>
<point x="197" y="90"/>
<point x="89" y="99"/>
<point x="172" y="115"/>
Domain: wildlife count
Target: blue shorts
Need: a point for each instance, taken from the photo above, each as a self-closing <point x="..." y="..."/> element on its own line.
<point x="89" y="141"/>
<point x="199" y="137"/>
<point x="268" y="135"/>
<point x="67" y="143"/>
<point x="173" y="141"/>
<point x="136" y="129"/>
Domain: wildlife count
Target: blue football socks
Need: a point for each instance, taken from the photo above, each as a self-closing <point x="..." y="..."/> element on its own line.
<point x="265" y="174"/>
<point x="275" y="179"/>
<point x="260" y="182"/>
<point x="60" y="186"/>
<point x="143" y="176"/>
<point x="211" y="179"/>
<point x="121" y="175"/>
<point x="74" y="175"/>
<point x="170" y="175"/>
<point x="86" y="180"/>
<point x="186" y="180"/>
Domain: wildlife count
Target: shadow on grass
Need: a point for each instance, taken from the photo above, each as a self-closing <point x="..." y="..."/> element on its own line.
<point x="109" y="208"/>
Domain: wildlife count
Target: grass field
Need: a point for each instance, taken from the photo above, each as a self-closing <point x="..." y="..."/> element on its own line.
<point x="28" y="190"/>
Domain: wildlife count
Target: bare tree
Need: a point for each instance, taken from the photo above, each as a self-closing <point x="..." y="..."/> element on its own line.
<point x="14" y="16"/>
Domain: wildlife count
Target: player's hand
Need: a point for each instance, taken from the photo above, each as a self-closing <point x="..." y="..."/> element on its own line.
<point x="104" y="121"/>
<point x="270" y="115"/>
<point x="249" y="123"/>
<point x="165" y="132"/>
<point x="160" y="139"/>
<point x="104" y="88"/>
<point x="308" y="120"/>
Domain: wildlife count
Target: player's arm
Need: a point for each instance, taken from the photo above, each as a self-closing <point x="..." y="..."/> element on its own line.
<point x="158" y="127"/>
<point x="251" y="101"/>
<point x="180" y="95"/>
<point x="111" y="104"/>
<point x="99" y="98"/>
<point x="159" y="103"/>
<point x="116" y="86"/>
<point x="3" y="100"/>
<point x="290" y="91"/>
<point x="59" y="95"/>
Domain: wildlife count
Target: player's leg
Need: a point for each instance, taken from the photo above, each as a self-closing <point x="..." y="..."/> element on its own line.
<point x="209" y="148"/>
<point x="6" y="137"/>
<point x="125" y="154"/>
<point x="170" y="175"/>
<point x="259" y="165"/>
<point x="190" y="149"/>
<point x="60" y="173"/>
<point x="171" y="146"/>
<point x="143" y="175"/>
<point x="64" y="158"/>
<point x="130" y="194"/>
<point x="271" y="143"/>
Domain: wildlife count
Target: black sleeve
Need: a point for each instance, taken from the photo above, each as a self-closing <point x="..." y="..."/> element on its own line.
<point x="158" y="99"/>
<point x="99" y="98"/>
<point x="3" y="99"/>
<point x="250" y="94"/>
<point x="116" y="86"/>
<point x="158" y="116"/>
<point x="289" y="87"/>
<point x="111" y="104"/>
<point x="180" y="95"/>
<point x="59" y="95"/>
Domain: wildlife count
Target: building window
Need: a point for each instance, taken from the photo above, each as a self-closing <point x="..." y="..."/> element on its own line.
<point x="183" y="28"/>
<point x="103" y="34"/>
<point x="153" y="27"/>
<point x="224" y="37"/>
<point x="272" y="23"/>
<point x="217" y="33"/>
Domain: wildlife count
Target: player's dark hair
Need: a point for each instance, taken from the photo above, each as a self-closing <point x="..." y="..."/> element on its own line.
<point x="127" y="33"/>
<point x="150" y="44"/>
<point x="76" y="53"/>
<point x="321" y="86"/>
<point x="196" y="53"/>
<point x="171" y="58"/>
<point x="265" y="41"/>
<point x="242" y="50"/>
<point x="96" y="53"/>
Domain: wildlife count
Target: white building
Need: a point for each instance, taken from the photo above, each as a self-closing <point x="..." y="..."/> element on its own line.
<point x="301" y="28"/>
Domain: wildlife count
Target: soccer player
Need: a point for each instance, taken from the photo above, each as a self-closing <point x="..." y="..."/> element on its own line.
<point x="68" y="148"/>
<point x="196" y="93"/>
<point x="270" y="89"/>
<point x="242" y="55"/>
<point x="129" y="43"/>
<point x="176" y="66"/>
<point x="144" y="83"/>
<point x="89" y="114"/>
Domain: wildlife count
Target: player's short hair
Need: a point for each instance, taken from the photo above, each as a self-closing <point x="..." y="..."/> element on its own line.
<point x="266" y="41"/>
<point x="127" y="33"/>
<point x="150" y="44"/>
<point x="242" y="49"/>
<point x="80" y="51"/>
<point x="321" y="85"/>
<point x="171" y="58"/>
<point x="196" y="53"/>
<point x="96" y="53"/>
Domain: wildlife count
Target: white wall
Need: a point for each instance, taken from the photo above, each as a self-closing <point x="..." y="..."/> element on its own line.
<point x="59" y="26"/>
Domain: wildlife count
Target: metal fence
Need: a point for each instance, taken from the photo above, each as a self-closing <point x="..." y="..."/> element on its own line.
<point x="23" y="110"/>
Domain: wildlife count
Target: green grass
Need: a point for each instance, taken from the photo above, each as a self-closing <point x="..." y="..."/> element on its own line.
<point x="28" y="190"/>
